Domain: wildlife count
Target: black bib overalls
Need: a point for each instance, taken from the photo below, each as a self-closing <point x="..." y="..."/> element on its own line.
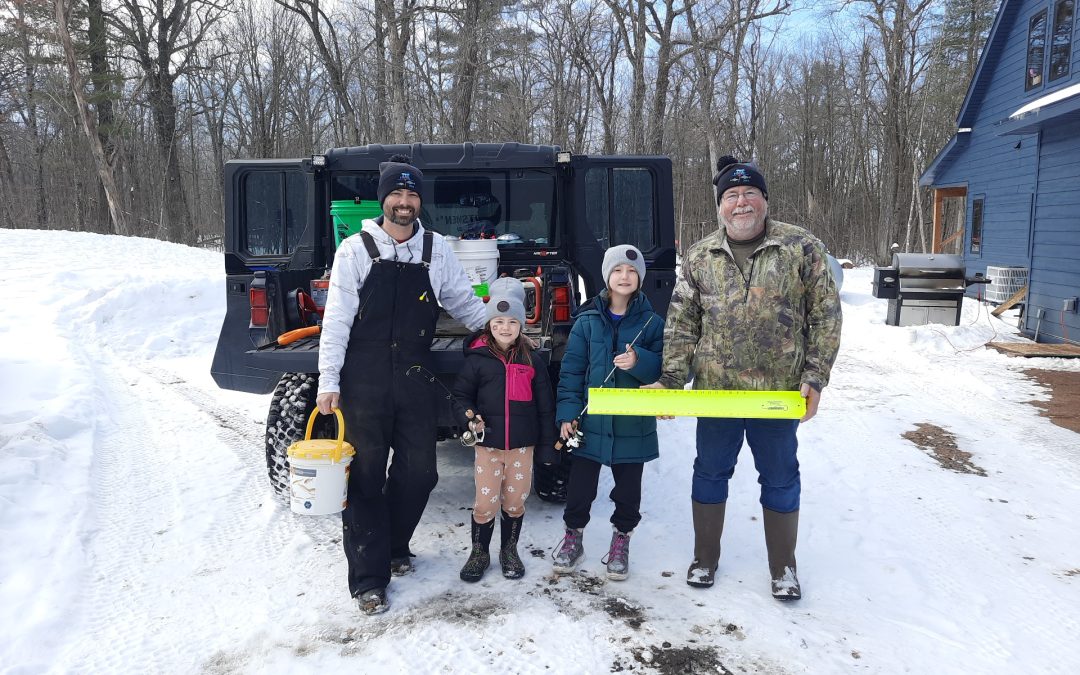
<point x="383" y="408"/>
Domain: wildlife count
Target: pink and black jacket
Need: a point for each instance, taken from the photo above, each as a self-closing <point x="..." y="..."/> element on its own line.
<point x="514" y="399"/>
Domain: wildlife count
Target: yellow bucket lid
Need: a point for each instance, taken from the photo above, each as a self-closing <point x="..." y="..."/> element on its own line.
<point x="322" y="448"/>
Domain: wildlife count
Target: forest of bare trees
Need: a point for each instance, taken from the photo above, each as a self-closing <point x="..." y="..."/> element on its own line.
<point x="116" y="115"/>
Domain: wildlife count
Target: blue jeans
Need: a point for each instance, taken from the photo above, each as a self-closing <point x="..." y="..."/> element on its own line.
<point x="773" y="444"/>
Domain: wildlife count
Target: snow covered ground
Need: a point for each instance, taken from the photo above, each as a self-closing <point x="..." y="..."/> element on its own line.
<point x="138" y="532"/>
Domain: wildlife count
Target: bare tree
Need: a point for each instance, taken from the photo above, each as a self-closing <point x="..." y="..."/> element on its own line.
<point x="164" y="35"/>
<point x="901" y="55"/>
<point x="330" y="49"/>
<point x="89" y="124"/>
<point x="595" y="45"/>
<point x="29" y="31"/>
<point x="395" y="19"/>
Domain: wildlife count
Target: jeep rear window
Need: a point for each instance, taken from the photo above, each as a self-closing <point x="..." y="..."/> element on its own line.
<point x="275" y="211"/>
<point x="619" y="206"/>
<point x="517" y="205"/>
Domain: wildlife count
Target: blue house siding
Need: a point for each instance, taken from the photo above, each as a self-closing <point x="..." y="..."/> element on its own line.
<point x="1026" y="169"/>
<point x="1005" y="178"/>
<point x="992" y="167"/>
<point x="1055" y="258"/>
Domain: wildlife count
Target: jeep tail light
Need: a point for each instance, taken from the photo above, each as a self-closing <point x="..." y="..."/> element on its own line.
<point x="260" y="311"/>
<point x="560" y="303"/>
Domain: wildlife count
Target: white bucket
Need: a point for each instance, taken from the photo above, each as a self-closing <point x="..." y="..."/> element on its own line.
<point x="479" y="257"/>
<point x="319" y="472"/>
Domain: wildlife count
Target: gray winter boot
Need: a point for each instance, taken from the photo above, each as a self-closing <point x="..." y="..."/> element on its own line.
<point x="479" y="559"/>
<point x="570" y="552"/>
<point x="781" y="532"/>
<point x="708" y="527"/>
<point x="618" y="556"/>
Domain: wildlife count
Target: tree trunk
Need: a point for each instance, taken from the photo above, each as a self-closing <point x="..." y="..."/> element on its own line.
<point x="89" y="125"/>
<point x="175" y="220"/>
<point x="466" y="69"/>
<point x="329" y="50"/>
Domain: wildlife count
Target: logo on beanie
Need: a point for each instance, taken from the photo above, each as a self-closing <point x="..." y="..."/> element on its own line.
<point x="406" y="180"/>
<point x="739" y="176"/>
<point x="503" y="306"/>
<point x="631" y="255"/>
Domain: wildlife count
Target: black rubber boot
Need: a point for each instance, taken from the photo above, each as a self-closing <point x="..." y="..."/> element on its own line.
<point x="708" y="528"/>
<point x="512" y="567"/>
<point x="479" y="559"/>
<point x="781" y="533"/>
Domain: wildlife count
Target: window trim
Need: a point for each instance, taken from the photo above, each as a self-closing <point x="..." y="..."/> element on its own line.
<point x="975" y="245"/>
<point x="1050" y="27"/>
<point x="1028" y="85"/>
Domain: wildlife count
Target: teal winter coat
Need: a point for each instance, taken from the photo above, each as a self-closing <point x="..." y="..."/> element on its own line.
<point x="594" y="341"/>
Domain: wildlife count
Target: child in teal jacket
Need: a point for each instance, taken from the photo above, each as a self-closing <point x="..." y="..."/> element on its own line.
<point x="600" y="342"/>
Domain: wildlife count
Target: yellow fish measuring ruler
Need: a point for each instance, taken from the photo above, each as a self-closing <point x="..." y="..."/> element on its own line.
<point x="697" y="403"/>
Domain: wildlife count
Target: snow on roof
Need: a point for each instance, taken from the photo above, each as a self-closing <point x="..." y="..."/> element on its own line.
<point x="1043" y="101"/>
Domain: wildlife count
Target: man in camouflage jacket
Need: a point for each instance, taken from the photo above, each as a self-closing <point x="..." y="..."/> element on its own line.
<point x="755" y="307"/>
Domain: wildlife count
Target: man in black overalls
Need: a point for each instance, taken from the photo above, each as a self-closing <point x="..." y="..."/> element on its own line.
<point x="386" y="286"/>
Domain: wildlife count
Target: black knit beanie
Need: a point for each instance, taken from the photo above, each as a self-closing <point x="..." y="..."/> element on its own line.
<point x="733" y="173"/>
<point x="398" y="174"/>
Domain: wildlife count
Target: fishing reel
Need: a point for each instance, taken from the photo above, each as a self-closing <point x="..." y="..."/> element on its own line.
<point x="576" y="441"/>
<point x="471" y="437"/>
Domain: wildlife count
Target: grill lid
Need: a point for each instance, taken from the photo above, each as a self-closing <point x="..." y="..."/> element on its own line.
<point x="929" y="265"/>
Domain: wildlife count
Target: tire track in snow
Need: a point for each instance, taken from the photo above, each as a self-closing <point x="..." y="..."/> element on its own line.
<point x="189" y="541"/>
<point x="131" y="506"/>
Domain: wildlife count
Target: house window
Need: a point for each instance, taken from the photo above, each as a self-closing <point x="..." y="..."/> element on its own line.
<point x="976" y="224"/>
<point x="1061" y="40"/>
<point x="1036" y="51"/>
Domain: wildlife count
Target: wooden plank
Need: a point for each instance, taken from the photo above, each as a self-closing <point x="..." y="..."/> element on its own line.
<point x="1013" y="299"/>
<point x="952" y="238"/>
<point x="939" y="217"/>
<point x="1036" y="349"/>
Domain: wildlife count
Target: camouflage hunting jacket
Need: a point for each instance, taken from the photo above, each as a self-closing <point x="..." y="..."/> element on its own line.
<point x="773" y="328"/>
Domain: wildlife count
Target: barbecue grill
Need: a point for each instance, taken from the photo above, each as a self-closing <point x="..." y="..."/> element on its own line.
<point x="923" y="288"/>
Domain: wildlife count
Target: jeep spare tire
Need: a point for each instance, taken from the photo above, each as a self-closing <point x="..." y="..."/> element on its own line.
<point x="291" y="406"/>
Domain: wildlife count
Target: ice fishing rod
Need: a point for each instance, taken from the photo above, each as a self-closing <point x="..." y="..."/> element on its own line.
<point x="468" y="436"/>
<point x="578" y="438"/>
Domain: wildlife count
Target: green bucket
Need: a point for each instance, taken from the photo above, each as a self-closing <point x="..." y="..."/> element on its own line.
<point x="349" y="216"/>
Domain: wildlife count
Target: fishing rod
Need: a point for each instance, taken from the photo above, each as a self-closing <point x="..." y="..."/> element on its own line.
<point x="468" y="436"/>
<point x="578" y="439"/>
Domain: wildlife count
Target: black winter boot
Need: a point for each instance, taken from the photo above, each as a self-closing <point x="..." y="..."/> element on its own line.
<point x="708" y="526"/>
<point x="781" y="532"/>
<point x="479" y="559"/>
<point x="512" y="566"/>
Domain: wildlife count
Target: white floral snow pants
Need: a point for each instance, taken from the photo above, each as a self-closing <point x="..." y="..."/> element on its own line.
<point x="502" y="473"/>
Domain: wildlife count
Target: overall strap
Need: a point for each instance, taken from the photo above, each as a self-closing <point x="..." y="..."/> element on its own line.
<point x="371" y="246"/>
<point x="429" y="238"/>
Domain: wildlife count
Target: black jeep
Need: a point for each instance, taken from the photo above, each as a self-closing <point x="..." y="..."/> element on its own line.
<point x="552" y="212"/>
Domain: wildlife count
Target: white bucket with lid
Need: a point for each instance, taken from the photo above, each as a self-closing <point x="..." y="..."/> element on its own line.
<point x="479" y="257"/>
<point x="319" y="471"/>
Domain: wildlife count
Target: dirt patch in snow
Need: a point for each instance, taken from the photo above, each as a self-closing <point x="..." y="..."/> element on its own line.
<point x="587" y="583"/>
<point x="1063" y="408"/>
<point x="668" y="660"/>
<point x="941" y="445"/>
<point x="621" y="608"/>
